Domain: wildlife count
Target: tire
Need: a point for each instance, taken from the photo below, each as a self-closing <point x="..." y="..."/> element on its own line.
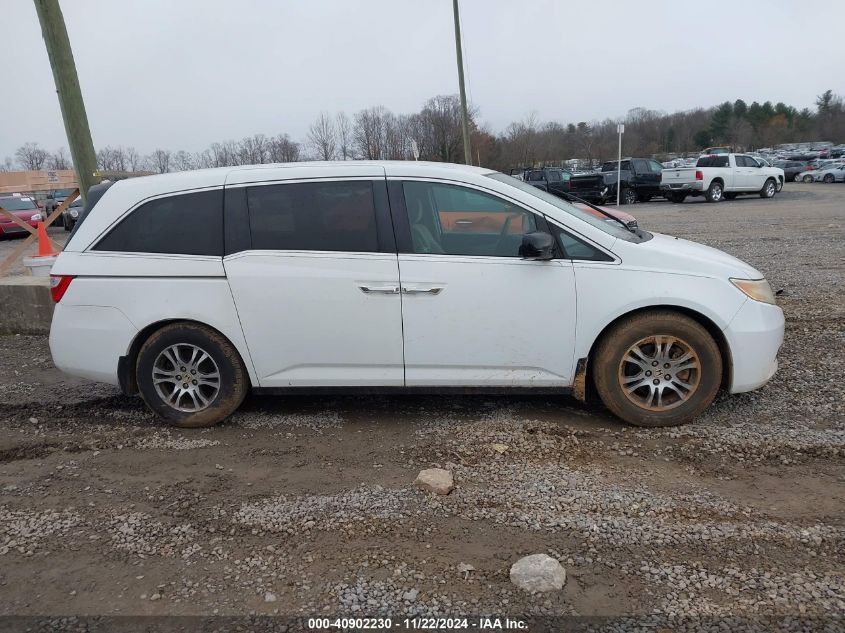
<point x="629" y="196"/>
<point x="643" y="406"/>
<point x="730" y="196"/>
<point x="796" y="177"/>
<point x="677" y="198"/>
<point x="779" y="185"/>
<point x="808" y="178"/>
<point x="66" y="224"/>
<point x="179" y="341"/>
<point x="714" y="192"/>
<point x="828" y="178"/>
<point x="769" y="189"/>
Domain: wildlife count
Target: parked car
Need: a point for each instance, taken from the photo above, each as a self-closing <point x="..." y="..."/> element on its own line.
<point x="55" y="199"/>
<point x="24" y="208"/>
<point x="835" y="173"/>
<point x="551" y="179"/>
<point x="71" y="214"/>
<point x="396" y="276"/>
<point x="791" y="168"/>
<point x="810" y="174"/>
<point x="722" y="176"/>
<point x="640" y="181"/>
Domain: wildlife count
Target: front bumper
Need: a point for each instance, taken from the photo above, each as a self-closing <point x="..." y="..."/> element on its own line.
<point x="754" y="335"/>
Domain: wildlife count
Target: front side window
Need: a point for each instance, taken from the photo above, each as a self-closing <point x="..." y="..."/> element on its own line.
<point x="452" y="220"/>
<point x="656" y="167"/>
<point x="184" y="224"/>
<point x="314" y="216"/>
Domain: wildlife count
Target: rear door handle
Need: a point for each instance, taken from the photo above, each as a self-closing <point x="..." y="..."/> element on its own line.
<point x="382" y="289"/>
<point x="419" y="289"/>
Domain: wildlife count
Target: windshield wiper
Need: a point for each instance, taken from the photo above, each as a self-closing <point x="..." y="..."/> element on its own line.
<point x="573" y="198"/>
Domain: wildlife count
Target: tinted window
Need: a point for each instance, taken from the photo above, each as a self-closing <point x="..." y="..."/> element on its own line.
<point x="452" y="220"/>
<point x="656" y="167"/>
<point x="186" y="224"/>
<point x="612" y="166"/>
<point x="554" y="176"/>
<point x="640" y="166"/>
<point x="318" y="216"/>
<point x="712" y="161"/>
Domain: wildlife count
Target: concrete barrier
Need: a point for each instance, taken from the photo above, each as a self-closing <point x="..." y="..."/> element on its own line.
<point x="26" y="306"/>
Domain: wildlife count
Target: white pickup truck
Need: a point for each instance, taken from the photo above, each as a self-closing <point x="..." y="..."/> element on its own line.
<point x="720" y="176"/>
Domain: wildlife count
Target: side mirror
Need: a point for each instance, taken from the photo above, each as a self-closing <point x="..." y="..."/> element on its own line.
<point x="537" y="245"/>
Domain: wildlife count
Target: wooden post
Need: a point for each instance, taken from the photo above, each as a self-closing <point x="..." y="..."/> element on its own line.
<point x="70" y="95"/>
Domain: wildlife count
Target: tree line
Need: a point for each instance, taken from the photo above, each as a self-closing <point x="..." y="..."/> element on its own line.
<point x="434" y="133"/>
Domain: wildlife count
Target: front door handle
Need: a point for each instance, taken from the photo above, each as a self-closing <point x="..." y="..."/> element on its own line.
<point x="382" y="289"/>
<point x="419" y="289"/>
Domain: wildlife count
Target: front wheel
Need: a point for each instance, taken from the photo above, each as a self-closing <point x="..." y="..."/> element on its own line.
<point x="808" y="178"/>
<point x="797" y="178"/>
<point x="714" y="192"/>
<point x="828" y="178"/>
<point x="769" y="189"/>
<point x="190" y="375"/>
<point x="657" y="369"/>
<point x="629" y="196"/>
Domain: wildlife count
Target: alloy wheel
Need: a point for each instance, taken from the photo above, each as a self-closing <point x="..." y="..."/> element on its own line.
<point x="659" y="373"/>
<point x="186" y="377"/>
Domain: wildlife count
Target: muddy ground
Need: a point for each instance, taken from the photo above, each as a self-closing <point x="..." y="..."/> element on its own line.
<point x="305" y="505"/>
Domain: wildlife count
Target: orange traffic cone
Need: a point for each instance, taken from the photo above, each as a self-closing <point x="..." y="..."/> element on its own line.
<point x="45" y="248"/>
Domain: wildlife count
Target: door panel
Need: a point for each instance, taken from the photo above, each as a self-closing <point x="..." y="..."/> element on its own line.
<point x="487" y="321"/>
<point x="320" y="319"/>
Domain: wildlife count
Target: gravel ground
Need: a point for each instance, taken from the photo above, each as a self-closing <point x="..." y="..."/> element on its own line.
<point x="305" y="506"/>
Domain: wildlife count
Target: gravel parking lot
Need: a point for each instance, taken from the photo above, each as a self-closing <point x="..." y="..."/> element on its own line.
<point x="306" y="505"/>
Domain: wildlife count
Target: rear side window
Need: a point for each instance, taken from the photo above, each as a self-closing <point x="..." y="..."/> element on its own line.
<point x="713" y="161"/>
<point x="184" y="224"/>
<point x="318" y="216"/>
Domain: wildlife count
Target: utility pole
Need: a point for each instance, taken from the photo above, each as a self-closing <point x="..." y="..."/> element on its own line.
<point x="464" y="115"/>
<point x="620" y="129"/>
<point x="70" y="96"/>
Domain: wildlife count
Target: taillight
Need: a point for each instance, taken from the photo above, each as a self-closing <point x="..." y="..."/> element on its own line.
<point x="59" y="285"/>
<point x="699" y="175"/>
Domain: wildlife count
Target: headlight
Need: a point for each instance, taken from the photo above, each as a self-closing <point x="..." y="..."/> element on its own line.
<point x="74" y="213"/>
<point x="757" y="289"/>
<point x="36" y="217"/>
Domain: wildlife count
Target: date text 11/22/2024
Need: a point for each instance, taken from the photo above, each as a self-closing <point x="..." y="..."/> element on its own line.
<point x="417" y="624"/>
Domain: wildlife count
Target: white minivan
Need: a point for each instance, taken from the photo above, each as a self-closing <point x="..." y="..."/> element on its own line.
<point x="192" y="288"/>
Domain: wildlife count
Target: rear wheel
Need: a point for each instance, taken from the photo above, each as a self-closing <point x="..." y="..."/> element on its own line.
<point x="714" y="192"/>
<point x="677" y="197"/>
<point x="190" y="375"/>
<point x="808" y="178"/>
<point x="797" y="178"/>
<point x="828" y="178"/>
<point x="769" y="189"/>
<point x="657" y="368"/>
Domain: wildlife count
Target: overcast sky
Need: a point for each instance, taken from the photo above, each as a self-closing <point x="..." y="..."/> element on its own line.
<point x="180" y="74"/>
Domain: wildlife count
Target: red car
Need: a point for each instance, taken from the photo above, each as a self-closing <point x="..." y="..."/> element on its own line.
<point x="24" y="208"/>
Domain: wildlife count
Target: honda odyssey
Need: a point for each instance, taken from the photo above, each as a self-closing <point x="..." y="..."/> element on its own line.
<point x="193" y="288"/>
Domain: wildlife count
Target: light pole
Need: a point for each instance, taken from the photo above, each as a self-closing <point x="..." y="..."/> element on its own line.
<point x="464" y="115"/>
<point x="620" y="128"/>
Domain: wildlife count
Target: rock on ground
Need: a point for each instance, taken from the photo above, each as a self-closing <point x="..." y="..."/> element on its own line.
<point x="538" y="572"/>
<point x="435" y="480"/>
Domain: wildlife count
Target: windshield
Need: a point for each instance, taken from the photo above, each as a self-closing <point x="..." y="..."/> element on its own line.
<point x="612" y="228"/>
<point x="17" y="204"/>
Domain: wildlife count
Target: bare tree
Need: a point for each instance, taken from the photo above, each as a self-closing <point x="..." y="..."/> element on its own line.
<point x="322" y="137"/>
<point x="59" y="160"/>
<point x="369" y="133"/>
<point x="134" y="162"/>
<point x="344" y="135"/>
<point x="183" y="161"/>
<point x="283" y="150"/>
<point x="31" y="157"/>
<point x="7" y="165"/>
<point x="159" y="161"/>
